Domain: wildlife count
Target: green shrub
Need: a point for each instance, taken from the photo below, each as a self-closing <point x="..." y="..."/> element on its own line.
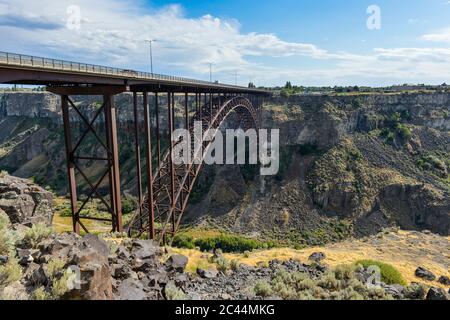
<point x="40" y="294"/>
<point x="66" y="212"/>
<point x="128" y="205"/>
<point x="344" y="271"/>
<point x="263" y="289"/>
<point x="60" y="286"/>
<point x="389" y="274"/>
<point x="231" y="243"/>
<point x="37" y="233"/>
<point x="436" y="162"/>
<point x="329" y="281"/>
<point x="222" y="264"/>
<point x="55" y="266"/>
<point x="8" y="237"/>
<point x="234" y="265"/>
<point x="390" y="137"/>
<point x="10" y="272"/>
<point x="3" y="173"/>
<point x="6" y="241"/>
<point x="404" y="132"/>
<point x="173" y="293"/>
<point x="183" y="241"/>
<point x="4" y="220"/>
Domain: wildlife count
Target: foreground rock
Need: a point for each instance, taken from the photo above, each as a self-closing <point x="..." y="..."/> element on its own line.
<point x="425" y="274"/>
<point x="67" y="266"/>
<point x="437" y="294"/>
<point x="25" y="202"/>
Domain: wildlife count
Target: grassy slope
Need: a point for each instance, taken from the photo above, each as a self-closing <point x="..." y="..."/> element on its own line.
<point x="404" y="250"/>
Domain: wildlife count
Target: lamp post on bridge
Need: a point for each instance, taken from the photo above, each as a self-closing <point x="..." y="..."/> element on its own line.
<point x="151" y="53"/>
<point x="210" y="71"/>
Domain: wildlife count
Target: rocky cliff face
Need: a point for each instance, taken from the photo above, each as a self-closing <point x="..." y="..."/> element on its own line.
<point x="30" y="105"/>
<point x="349" y="165"/>
<point x="344" y="162"/>
<point x="25" y="202"/>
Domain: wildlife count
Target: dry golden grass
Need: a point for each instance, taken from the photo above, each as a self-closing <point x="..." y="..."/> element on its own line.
<point x="64" y="224"/>
<point x="404" y="250"/>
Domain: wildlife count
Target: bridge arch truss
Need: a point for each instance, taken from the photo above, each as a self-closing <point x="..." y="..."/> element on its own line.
<point x="164" y="199"/>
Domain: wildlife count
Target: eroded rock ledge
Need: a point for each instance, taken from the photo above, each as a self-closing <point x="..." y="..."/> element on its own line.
<point x="25" y="202"/>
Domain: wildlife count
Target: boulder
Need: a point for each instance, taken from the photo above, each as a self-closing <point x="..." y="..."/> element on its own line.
<point x="425" y="274"/>
<point x="144" y="249"/>
<point x="122" y="271"/>
<point x="140" y="265"/>
<point x="177" y="262"/>
<point x="207" y="274"/>
<point x="317" y="257"/>
<point x="59" y="244"/>
<point x="99" y="245"/>
<point x="15" y="291"/>
<point x="181" y="280"/>
<point x="122" y="253"/>
<point x="131" y="289"/>
<point x="3" y="260"/>
<point x="415" y="291"/>
<point x="25" y="202"/>
<point x="437" y="294"/>
<point x="397" y="291"/>
<point x="95" y="276"/>
<point x="24" y="256"/>
<point x="35" y="275"/>
<point x="444" y="280"/>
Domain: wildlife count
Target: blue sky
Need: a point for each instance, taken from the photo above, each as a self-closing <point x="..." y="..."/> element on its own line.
<point x="322" y="42"/>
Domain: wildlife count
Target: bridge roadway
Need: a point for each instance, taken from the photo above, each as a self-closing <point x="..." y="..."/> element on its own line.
<point x="24" y="69"/>
<point x="165" y="198"/>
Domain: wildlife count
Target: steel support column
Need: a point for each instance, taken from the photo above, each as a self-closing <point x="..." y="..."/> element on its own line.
<point x="148" y="144"/>
<point x="170" y="114"/>
<point x="137" y="155"/>
<point x="158" y="134"/>
<point x="186" y="114"/>
<point x="70" y="163"/>
<point x="114" y="173"/>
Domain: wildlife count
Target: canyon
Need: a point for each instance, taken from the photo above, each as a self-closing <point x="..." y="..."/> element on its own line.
<point x="350" y="165"/>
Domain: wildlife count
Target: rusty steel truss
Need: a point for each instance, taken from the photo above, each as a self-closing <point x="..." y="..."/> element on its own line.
<point x="163" y="200"/>
<point x="167" y="197"/>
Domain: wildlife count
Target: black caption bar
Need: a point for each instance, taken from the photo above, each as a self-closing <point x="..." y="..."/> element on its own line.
<point x="224" y="310"/>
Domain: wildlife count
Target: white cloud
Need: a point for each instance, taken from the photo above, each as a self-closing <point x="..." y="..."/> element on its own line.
<point x="113" y="32"/>
<point x="439" y="36"/>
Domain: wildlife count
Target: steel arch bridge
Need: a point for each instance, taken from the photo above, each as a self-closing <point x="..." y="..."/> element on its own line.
<point x="165" y="204"/>
<point x="168" y="186"/>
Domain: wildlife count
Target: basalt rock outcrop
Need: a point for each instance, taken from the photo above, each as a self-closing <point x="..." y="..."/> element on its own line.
<point x="25" y="202"/>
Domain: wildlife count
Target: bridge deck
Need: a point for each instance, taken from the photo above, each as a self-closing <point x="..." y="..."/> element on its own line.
<point x="23" y="69"/>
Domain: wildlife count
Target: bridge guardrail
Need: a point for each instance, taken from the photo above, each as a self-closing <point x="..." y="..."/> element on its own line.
<point x="62" y="65"/>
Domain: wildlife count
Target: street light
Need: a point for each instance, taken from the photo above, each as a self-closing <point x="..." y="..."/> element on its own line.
<point x="151" y="53"/>
<point x="210" y="71"/>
